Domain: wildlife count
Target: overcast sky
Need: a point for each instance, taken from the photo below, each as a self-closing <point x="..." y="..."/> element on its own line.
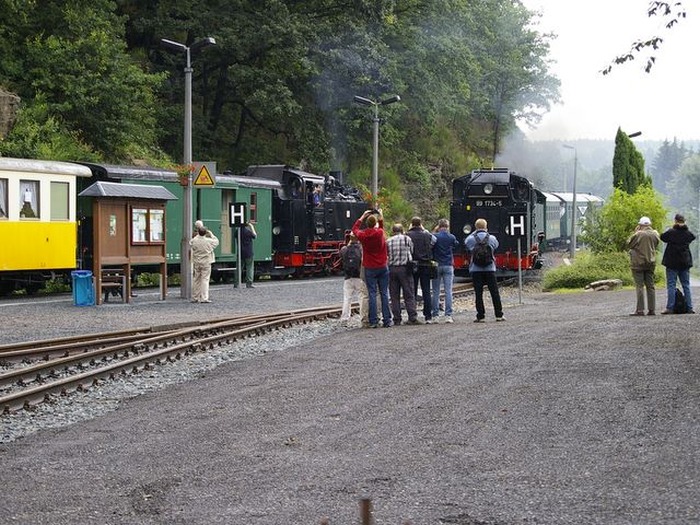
<point x="662" y="104"/>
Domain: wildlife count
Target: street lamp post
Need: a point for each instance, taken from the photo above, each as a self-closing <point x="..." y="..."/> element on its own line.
<point x="375" y="138"/>
<point x="573" y="204"/>
<point x="185" y="260"/>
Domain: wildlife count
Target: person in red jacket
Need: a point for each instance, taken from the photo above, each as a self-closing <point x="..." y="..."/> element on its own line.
<point x="376" y="264"/>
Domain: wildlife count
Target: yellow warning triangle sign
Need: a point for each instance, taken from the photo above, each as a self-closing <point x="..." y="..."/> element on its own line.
<point x="203" y="178"/>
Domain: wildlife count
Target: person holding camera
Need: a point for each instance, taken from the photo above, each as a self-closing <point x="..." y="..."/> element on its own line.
<point x="375" y="263"/>
<point x="203" y="246"/>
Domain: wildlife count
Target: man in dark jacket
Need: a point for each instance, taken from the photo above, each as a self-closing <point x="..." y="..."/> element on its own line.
<point x="678" y="260"/>
<point x="423" y="242"/>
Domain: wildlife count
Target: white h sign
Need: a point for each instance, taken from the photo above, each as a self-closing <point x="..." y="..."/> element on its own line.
<point x="517" y="225"/>
<point x="237" y="213"/>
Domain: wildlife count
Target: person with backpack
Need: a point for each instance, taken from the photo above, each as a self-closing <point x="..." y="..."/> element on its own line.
<point x="678" y="261"/>
<point x="351" y="255"/>
<point x="482" y="268"/>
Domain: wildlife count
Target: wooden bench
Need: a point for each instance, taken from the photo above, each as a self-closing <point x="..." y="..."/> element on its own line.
<point x="113" y="283"/>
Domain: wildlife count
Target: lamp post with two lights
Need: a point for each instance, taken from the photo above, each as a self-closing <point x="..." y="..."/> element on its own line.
<point x="185" y="260"/>
<point x="375" y="143"/>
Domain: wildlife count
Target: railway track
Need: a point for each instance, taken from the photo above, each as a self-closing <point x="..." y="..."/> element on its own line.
<point x="32" y="372"/>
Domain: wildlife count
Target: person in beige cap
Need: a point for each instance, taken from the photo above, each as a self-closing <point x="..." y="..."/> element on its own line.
<point x="642" y="246"/>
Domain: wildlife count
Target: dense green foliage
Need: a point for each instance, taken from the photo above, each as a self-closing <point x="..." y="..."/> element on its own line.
<point x="95" y="83"/>
<point x="588" y="268"/>
<point x="608" y="229"/>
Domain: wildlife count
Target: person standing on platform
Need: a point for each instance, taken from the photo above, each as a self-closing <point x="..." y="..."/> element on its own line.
<point x="248" y="234"/>
<point x="203" y="246"/>
<point x="678" y="261"/>
<point x="483" y="271"/>
<point x="443" y="253"/>
<point x="375" y="263"/>
<point x="351" y="255"/>
<point x="400" y="248"/>
<point x="423" y="242"/>
<point x="642" y="246"/>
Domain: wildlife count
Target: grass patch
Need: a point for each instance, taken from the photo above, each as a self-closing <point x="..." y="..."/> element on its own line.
<point x="588" y="268"/>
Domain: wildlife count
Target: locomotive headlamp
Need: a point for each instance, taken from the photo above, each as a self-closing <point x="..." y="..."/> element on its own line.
<point x="276" y="230"/>
<point x="488" y="189"/>
<point x="467" y="229"/>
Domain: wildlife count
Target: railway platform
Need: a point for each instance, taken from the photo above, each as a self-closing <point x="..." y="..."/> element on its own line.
<point x="570" y="412"/>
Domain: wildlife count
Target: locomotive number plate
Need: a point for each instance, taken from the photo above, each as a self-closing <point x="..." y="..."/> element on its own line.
<point x="489" y="203"/>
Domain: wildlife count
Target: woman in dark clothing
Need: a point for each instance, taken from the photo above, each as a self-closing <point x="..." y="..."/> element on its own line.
<point x="678" y="261"/>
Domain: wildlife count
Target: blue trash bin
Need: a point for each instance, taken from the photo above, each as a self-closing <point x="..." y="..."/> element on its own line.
<point x="83" y="289"/>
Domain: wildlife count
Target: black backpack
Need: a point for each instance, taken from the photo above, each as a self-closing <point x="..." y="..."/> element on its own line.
<point x="352" y="259"/>
<point x="482" y="254"/>
<point x="680" y="306"/>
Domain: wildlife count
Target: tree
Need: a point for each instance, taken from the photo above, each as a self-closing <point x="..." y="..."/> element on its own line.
<point x="673" y="12"/>
<point x="628" y="165"/>
<point x="608" y="229"/>
<point x="71" y="55"/>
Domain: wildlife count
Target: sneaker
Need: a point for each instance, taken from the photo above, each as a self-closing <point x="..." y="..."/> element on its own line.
<point x="666" y="312"/>
<point x="500" y="318"/>
<point x="413" y="321"/>
<point x="651" y="313"/>
<point x="691" y="311"/>
<point x="430" y="321"/>
<point x="637" y="313"/>
<point x="477" y="320"/>
<point x="448" y="319"/>
<point x="375" y="325"/>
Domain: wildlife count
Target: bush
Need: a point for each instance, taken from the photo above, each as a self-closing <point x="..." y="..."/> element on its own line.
<point x="588" y="268"/>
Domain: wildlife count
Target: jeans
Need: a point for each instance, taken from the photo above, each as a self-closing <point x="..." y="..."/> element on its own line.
<point x="684" y="277"/>
<point x="401" y="279"/>
<point x="378" y="278"/>
<point x="446" y="274"/>
<point x="423" y="277"/>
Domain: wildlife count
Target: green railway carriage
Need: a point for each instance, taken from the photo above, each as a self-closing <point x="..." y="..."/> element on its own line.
<point x="210" y="204"/>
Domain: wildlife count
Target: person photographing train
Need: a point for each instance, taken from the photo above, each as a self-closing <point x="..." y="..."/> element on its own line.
<point x="376" y="264"/>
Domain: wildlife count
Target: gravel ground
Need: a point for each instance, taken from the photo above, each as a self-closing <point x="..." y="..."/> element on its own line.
<point x="569" y="412"/>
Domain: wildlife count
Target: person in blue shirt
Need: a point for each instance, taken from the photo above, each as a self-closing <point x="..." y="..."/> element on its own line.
<point x="484" y="275"/>
<point x="443" y="253"/>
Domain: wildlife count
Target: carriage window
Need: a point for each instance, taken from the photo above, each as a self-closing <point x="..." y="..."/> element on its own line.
<point x="59" y="201"/>
<point x="253" y="213"/>
<point x="3" y="198"/>
<point x="147" y="226"/>
<point x="29" y="199"/>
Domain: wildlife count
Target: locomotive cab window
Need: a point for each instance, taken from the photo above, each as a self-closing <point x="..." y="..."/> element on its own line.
<point x="3" y="199"/>
<point x="147" y="226"/>
<point x="60" y="201"/>
<point x="29" y="199"/>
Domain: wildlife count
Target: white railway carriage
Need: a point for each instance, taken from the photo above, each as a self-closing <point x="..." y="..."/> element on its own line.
<point x="557" y="215"/>
<point x="37" y="220"/>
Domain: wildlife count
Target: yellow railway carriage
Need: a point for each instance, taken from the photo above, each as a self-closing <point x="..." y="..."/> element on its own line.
<point x="37" y="220"/>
